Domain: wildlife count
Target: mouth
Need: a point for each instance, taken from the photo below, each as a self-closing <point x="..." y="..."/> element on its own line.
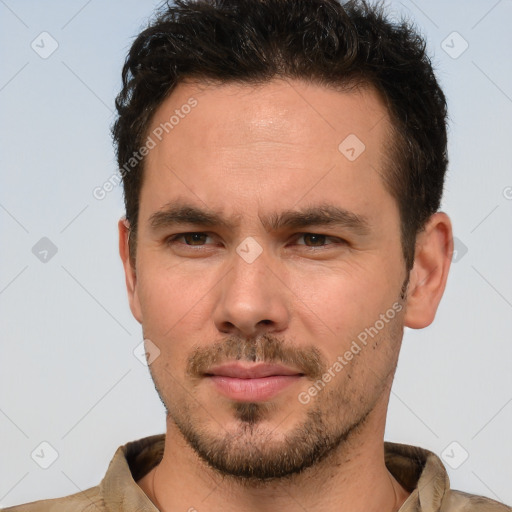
<point x="251" y="382"/>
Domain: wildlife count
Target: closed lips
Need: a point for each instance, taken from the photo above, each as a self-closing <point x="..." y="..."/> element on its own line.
<point x="259" y="371"/>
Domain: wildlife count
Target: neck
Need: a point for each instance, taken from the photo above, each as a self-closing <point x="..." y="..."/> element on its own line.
<point x="353" y="478"/>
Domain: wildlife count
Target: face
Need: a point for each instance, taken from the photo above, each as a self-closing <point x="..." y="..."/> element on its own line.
<point x="269" y="271"/>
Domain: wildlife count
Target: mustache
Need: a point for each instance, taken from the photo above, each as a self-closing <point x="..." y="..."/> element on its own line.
<point x="264" y="348"/>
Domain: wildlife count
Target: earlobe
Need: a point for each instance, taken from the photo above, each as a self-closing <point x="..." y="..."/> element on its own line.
<point x="129" y="268"/>
<point x="434" y="249"/>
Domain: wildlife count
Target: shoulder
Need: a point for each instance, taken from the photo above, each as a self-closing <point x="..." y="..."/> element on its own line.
<point x="129" y="464"/>
<point x="85" y="501"/>
<point x="422" y="473"/>
<point x="458" y="501"/>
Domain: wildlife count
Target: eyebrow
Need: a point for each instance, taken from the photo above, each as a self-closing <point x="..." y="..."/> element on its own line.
<point x="179" y="213"/>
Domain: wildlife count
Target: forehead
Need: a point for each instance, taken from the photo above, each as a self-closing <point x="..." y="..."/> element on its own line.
<point x="284" y="140"/>
<point x="288" y="109"/>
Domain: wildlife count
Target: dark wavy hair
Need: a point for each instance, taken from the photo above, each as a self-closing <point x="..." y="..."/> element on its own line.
<point x="322" y="41"/>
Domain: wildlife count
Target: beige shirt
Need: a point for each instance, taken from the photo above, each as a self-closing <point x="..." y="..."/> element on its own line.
<point x="419" y="471"/>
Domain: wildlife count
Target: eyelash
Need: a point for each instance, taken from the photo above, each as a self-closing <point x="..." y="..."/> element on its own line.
<point x="339" y="241"/>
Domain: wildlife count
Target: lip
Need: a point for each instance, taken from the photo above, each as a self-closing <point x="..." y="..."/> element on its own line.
<point x="252" y="383"/>
<point x="251" y="371"/>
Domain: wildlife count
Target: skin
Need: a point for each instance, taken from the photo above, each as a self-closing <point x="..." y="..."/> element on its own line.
<point x="246" y="153"/>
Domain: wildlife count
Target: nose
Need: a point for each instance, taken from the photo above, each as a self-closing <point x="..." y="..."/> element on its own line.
<point x="253" y="300"/>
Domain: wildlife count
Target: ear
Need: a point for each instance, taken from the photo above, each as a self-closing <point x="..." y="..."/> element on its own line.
<point x="129" y="268"/>
<point x="433" y="256"/>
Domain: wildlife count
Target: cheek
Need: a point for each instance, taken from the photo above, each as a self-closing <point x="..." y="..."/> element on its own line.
<point x="337" y="305"/>
<point x="170" y="320"/>
<point x="169" y="302"/>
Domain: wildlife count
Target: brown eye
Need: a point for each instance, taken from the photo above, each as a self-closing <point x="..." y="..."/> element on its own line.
<point x="195" y="238"/>
<point x="313" y="240"/>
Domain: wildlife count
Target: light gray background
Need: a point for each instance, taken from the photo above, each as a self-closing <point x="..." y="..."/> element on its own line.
<point x="68" y="374"/>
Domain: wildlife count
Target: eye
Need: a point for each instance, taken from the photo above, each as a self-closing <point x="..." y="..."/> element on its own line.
<point x="318" y="240"/>
<point x="192" y="239"/>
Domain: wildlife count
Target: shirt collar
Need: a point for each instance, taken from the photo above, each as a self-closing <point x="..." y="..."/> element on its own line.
<point x="131" y="462"/>
<point x="421" y="473"/>
<point x="418" y="470"/>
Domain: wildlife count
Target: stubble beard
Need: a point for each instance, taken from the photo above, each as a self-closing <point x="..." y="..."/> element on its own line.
<point x="252" y="454"/>
<point x="255" y="451"/>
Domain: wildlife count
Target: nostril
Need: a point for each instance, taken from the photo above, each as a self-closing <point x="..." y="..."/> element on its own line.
<point x="227" y="328"/>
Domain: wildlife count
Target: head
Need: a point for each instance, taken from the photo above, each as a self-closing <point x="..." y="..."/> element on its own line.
<point x="288" y="163"/>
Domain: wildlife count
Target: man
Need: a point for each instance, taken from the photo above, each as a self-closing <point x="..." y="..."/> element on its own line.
<point x="283" y="164"/>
